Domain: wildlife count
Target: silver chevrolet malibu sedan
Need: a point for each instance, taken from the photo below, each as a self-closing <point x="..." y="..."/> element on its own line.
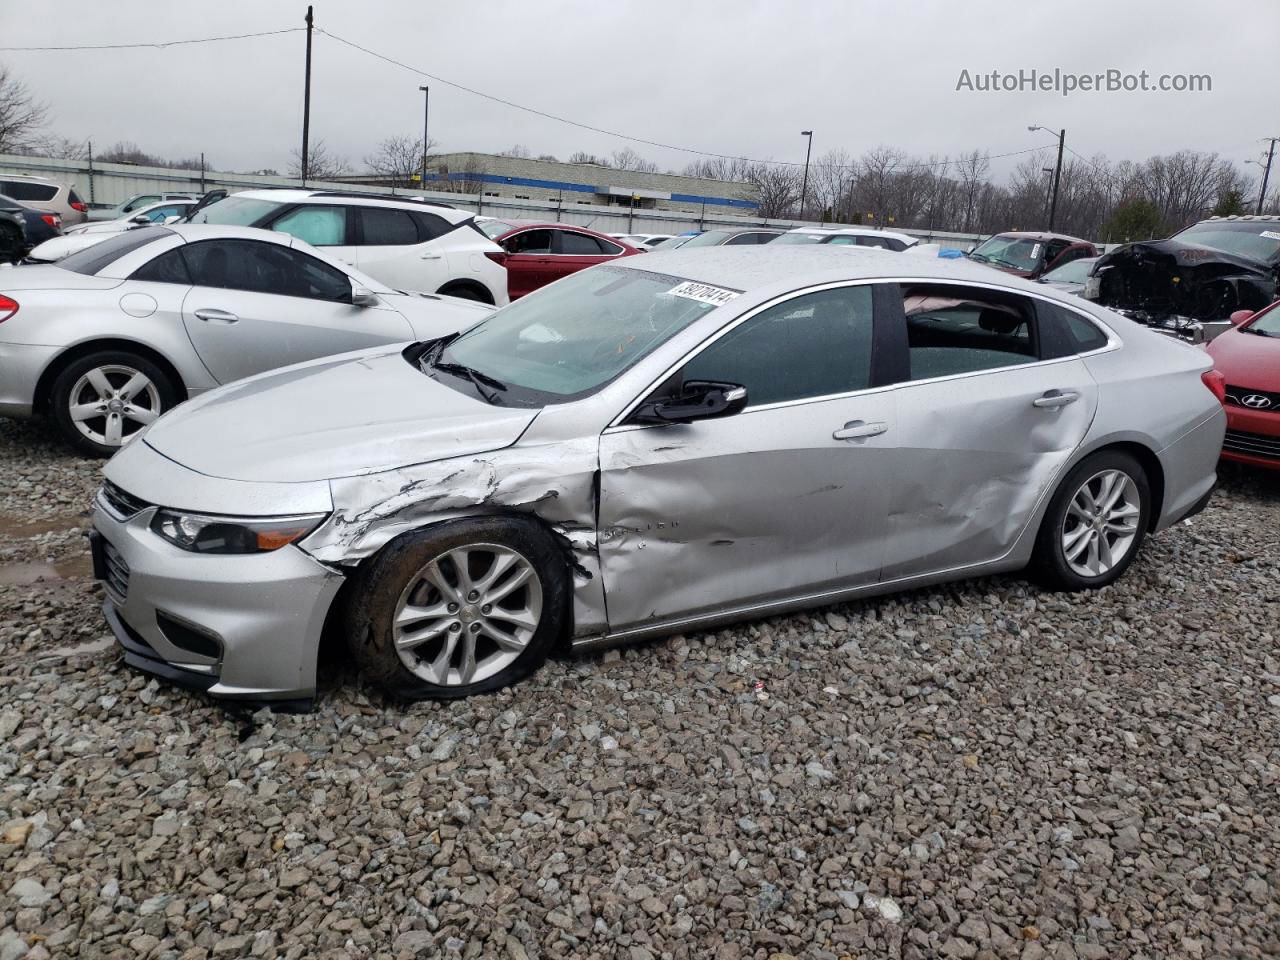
<point x="658" y="445"/>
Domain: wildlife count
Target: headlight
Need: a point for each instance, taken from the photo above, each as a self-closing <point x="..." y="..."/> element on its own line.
<point x="203" y="533"/>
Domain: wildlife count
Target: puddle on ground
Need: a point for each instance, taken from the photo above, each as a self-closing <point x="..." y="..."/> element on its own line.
<point x="23" y="529"/>
<point x="101" y="645"/>
<point x="25" y="574"/>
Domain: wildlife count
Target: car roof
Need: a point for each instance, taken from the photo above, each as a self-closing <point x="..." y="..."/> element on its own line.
<point x="790" y="267"/>
<point x="1039" y="235"/>
<point x="301" y="195"/>
<point x="25" y="176"/>
<point x="854" y="231"/>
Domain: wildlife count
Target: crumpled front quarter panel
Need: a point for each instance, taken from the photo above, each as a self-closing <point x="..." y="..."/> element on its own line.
<point x="553" y="481"/>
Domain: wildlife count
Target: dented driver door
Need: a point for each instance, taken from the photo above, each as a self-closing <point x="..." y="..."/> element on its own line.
<point x="785" y="499"/>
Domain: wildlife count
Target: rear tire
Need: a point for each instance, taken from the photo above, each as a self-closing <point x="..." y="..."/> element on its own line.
<point x="103" y="400"/>
<point x="1095" y="524"/>
<point x="466" y="291"/>
<point x="460" y="608"/>
<point x="12" y="245"/>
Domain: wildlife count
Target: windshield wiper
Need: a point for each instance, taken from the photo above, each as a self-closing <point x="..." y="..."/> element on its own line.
<point x="477" y="379"/>
<point x="1007" y="263"/>
<point x="1256" y="332"/>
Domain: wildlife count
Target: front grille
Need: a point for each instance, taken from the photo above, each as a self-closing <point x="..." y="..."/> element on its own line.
<point x="124" y="505"/>
<point x="1257" y="399"/>
<point x="1254" y="444"/>
<point x="117" y="582"/>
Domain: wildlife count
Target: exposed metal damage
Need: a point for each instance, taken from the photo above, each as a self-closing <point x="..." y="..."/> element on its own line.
<point x="1179" y="287"/>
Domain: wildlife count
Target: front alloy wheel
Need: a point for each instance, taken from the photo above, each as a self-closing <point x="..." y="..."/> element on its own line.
<point x="468" y="614"/>
<point x="458" y="608"/>
<point x="103" y="400"/>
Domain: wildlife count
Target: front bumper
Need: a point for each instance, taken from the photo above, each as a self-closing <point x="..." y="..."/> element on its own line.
<point x="1253" y="437"/>
<point x="242" y="627"/>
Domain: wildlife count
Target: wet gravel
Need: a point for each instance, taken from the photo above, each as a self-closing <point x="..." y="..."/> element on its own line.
<point x="979" y="770"/>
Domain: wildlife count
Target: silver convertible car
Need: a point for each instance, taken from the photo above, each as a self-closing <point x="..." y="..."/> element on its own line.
<point x="658" y="445"/>
<point x="110" y="337"/>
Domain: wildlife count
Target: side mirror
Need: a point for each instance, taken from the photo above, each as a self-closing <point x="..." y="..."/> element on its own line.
<point x="698" y="400"/>
<point x="1240" y="316"/>
<point x="970" y="248"/>
<point x="140" y="218"/>
<point x="363" y="296"/>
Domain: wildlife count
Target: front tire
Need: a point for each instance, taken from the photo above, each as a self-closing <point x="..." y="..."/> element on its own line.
<point x="466" y="291"/>
<point x="1095" y="523"/>
<point x="102" y="401"/>
<point x="460" y="608"/>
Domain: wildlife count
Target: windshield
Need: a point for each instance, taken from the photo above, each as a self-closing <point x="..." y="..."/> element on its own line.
<point x="569" y="339"/>
<point x="1022" y="253"/>
<point x="1267" y="325"/>
<point x="802" y="238"/>
<point x="709" y="239"/>
<point x="1077" y="271"/>
<point x="92" y="259"/>
<point x="494" y="228"/>
<point x="1257" y="240"/>
<point x="236" y="211"/>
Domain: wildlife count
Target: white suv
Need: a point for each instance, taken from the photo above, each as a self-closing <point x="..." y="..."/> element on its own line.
<point x="852" y="236"/>
<point x="406" y="243"/>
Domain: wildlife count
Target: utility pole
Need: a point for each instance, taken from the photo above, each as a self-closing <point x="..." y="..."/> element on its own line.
<point x="804" y="185"/>
<point x="306" y="101"/>
<point x="1266" y="174"/>
<point x="202" y="171"/>
<point x="91" y="196"/>
<point x="426" y="107"/>
<point x="1057" y="169"/>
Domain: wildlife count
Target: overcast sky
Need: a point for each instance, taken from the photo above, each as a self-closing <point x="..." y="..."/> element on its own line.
<point x="725" y="76"/>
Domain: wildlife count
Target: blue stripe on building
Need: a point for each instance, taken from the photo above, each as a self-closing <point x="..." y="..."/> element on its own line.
<point x="587" y="188"/>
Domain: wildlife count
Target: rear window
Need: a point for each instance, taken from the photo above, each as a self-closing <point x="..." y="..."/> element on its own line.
<point x="28" y="190"/>
<point x="92" y="259"/>
<point x="237" y="211"/>
<point x="388" y="227"/>
<point x="494" y="228"/>
<point x="74" y="197"/>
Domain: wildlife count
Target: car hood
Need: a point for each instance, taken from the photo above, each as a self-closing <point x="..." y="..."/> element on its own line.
<point x="432" y="315"/>
<point x="337" y="417"/>
<point x="1247" y="360"/>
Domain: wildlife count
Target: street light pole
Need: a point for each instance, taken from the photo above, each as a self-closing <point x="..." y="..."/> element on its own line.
<point x="306" y="102"/>
<point x="1057" y="170"/>
<point x="804" y="186"/>
<point x="1266" y="174"/>
<point x="426" y="107"/>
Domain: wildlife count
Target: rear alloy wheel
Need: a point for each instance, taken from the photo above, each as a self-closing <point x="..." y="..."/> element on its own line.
<point x="104" y="400"/>
<point x="1095" y="523"/>
<point x="463" y="607"/>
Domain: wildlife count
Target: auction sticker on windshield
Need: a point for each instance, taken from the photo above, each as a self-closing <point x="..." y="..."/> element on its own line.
<point x="1271" y="235"/>
<point x="703" y="293"/>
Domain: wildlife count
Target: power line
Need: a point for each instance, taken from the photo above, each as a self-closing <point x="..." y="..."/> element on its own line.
<point x="615" y="133"/>
<point x="158" y="45"/>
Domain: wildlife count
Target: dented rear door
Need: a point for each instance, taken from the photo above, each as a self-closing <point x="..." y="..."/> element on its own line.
<point x="974" y="456"/>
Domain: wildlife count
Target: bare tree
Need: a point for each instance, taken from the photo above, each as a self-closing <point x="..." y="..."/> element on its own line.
<point x="628" y="159"/>
<point x="519" y="151"/>
<point x="972" y="169"/>
<point x="547" y="158"/>
<point x="21" y="115"/>
<point x="398" y="159"/>
<point x="321" y="164"/>
<point x="583" y="157"/>
<point x="126" y="151"/>
<point x="59" y="148"/>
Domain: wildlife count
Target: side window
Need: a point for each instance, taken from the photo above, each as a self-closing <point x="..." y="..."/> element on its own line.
<point x="160" y="214"/>
<point x="609" y="249"/>
<point x="320" y="226"/>
<point x="578" y="244"/>
<point x="431" y="226"/>
<point x="741" y="239"/>
<point x="881" y="242"/>
<point x="953" y="330"/>
<point x="140" y="202"/>
<point x="22" y="190"/>
<point x="1064" y="333"/>
<point x="264" y="268"/>
<point x="385" y="227"/>
<point x="814" y="345"/>
<point x="530" y="241"/>
<point x="166" y="268"/>
<point x="844" y="239"/>
<point x="1053" y="249"/>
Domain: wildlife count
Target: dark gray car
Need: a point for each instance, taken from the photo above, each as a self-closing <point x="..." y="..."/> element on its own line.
<point x="39" y="225"/>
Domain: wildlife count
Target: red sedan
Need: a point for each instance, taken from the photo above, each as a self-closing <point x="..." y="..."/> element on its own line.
<point x="1250" y="362"/>
<point x="537" y="253"/>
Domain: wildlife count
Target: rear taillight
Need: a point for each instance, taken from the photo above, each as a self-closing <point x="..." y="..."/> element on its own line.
<point x="498" y="258"/>
<point x="8" y="307"/>
<point x="51" y="220"/>
<point x="1216" y="382"/>
<point x="79" y="205"/>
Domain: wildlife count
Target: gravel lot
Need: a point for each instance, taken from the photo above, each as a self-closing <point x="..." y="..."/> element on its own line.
<point x="979" y="770"/>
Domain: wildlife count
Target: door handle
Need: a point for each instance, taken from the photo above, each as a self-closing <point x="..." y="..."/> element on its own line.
<point x="860" y="430"/>
<point x="430" y="256"/>
<point x="1052" y="399"/>
<point x="210" y="315"/>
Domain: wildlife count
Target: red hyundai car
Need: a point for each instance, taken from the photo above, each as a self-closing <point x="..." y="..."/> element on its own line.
<point x="537" y="253"/>
<point x="1250" y="362"/>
